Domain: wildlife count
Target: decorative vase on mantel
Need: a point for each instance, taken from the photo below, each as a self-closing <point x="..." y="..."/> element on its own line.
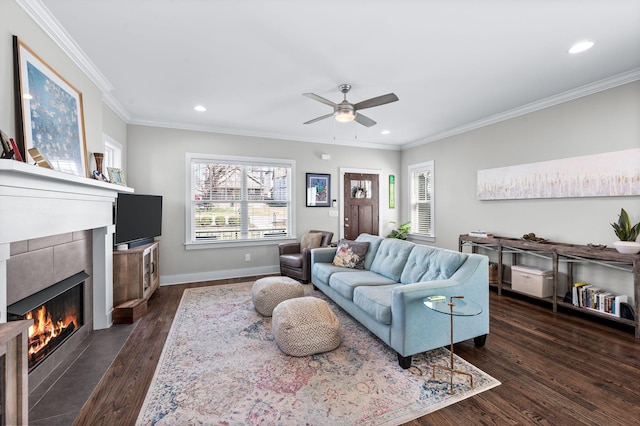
<point x="99" y="157"/>
<point x="97" y="173"/>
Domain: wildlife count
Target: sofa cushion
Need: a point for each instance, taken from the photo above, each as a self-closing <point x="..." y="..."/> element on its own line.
<point x="374" y="242"/>
<point x="351" y="254"/>
<point x="391" y="258"/>
<point x="310" y="240"/>
<point x="376" y="301"/>
<point x="345" y="282"/>
<point x="322" y="272"/>
<point x="427" y="263"/>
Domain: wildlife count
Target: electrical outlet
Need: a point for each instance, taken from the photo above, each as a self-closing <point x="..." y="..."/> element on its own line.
<point x="247" y="257"/>
<point x="333" y="213"/>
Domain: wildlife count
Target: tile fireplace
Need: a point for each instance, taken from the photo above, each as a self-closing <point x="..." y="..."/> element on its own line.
<point x="57" y="313"/>
<point x="36" y="205"/>
<point x="38" y="202"/>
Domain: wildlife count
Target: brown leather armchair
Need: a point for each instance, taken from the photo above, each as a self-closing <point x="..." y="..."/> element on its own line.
<point x="295" y="258"/>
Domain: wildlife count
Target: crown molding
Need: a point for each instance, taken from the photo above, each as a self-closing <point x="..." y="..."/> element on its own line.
<point x="52" y="27"/>
<point x="569" y="95"/>
<point x="239" y="132"/>
<point x="116" y="107"/>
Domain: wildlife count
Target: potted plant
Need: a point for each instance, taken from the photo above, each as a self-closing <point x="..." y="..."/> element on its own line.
<point x="626" y="233"/>
<point x="402" y="231"/>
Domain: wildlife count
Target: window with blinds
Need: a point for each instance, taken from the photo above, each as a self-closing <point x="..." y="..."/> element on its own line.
<point x="421" y="199"/>
<point x="239" y="199"/>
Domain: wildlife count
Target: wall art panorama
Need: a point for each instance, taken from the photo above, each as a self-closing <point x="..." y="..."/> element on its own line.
<point x="51" y="113"/>
<point x="611" y="174"/>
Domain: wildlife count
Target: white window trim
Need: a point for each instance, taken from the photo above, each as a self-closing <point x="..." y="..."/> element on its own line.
<point x="197" y="245"/>
<point x="410" y="169"/>
<point x="113" y="145"/>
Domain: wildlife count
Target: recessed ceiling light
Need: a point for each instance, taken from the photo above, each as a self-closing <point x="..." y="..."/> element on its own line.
<point x="199" y="108"/>
<point x="581" y="46"/>
<point x="385" y="132"/>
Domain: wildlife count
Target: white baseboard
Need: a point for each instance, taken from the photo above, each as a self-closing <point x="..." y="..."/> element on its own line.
<point x="218" y="275"/>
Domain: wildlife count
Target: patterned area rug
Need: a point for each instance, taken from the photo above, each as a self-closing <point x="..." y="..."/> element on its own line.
<point x="221" y="365"/>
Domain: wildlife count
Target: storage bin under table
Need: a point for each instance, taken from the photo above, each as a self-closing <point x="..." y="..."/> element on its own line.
<point x="532" y="280"/>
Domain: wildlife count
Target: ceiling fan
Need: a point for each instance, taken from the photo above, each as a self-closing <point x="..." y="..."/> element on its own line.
<point x="346" y="111"/>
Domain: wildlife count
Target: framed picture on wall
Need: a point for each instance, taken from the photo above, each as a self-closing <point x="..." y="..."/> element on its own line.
<point x="51" y="113"/>
<point x="318" y="190"/>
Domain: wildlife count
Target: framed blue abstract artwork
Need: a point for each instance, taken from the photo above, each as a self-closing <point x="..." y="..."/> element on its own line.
<point x="318" y="190"/>
<point x="51" y="113"/>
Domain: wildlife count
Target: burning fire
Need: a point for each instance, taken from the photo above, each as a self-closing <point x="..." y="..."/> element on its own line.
<point x="45" y="329"/>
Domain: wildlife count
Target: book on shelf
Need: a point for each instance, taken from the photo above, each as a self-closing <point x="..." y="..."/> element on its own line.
<point x="16" y="150"/>
<point x="575" y="295"/>
<point x="481" y="234"/>
<point x="594" y="298"/>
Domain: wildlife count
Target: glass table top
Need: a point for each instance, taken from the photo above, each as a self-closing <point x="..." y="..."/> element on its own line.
<point x="461" y="307"/>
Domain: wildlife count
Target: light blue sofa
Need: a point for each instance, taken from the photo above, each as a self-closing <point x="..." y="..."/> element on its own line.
<point x="387" y="295"/>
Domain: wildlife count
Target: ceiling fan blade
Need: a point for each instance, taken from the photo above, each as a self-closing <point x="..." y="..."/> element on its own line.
<point x="319" y="118"/>
<point x="378" y="100"/>
<point x="320" y="99"/>
<point x="364" y="120"/>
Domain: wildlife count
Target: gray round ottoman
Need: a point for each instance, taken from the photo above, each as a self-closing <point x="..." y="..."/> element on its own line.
<point x="305" y="326"/>
<point x="269" y="291"/>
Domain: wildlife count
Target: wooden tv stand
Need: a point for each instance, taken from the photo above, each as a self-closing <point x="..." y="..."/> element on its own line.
<point x="136" y="273"/>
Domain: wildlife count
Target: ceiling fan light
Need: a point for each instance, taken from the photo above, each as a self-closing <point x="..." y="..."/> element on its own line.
<point x="345" y="116"/>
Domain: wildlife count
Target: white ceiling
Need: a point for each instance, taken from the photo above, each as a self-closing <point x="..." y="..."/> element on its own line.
<point x="454" y="64"/>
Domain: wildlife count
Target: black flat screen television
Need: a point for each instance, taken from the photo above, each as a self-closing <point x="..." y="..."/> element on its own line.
<point x="138" y="218"/>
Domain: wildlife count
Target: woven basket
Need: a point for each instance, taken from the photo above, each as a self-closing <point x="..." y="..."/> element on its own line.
<point x="493" y="273"/>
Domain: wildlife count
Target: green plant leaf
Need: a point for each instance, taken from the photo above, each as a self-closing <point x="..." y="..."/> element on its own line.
<point x="623" y="229"/>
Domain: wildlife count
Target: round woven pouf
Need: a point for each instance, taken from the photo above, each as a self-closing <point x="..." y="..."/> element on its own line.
<point x="269" y="291"/>
<point x="305" y="326"/>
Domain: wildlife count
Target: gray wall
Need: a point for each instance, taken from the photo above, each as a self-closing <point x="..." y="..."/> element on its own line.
<point x="604" y="122"/>
<point x="156" y="165"/>
<point x="14" y="21"/>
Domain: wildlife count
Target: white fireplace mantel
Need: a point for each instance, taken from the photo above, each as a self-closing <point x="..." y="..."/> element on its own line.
<point x="37" y="202"/>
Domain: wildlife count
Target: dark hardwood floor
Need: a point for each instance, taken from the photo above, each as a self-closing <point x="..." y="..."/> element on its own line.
<point x="555" y="368"/>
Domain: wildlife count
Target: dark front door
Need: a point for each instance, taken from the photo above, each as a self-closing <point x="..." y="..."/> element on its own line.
<point x="360" y="204"/>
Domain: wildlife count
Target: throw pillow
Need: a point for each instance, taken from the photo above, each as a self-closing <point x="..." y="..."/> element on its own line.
<point x="351" y="254"/>
<point x="310" y="240"/>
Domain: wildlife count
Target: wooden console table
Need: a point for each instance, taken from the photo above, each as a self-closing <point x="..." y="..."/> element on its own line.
<point x="562" y="253"/>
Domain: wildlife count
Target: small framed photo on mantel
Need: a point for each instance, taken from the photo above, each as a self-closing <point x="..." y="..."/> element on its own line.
<point x="116" y="176"/>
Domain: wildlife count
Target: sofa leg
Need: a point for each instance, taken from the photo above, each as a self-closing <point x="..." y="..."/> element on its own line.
<point x="315" y="288"/>
<point x="480" y="340"/>
<point x="404" y="361"/>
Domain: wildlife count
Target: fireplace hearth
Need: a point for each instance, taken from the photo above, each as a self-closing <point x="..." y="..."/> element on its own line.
<point x="57" y="313"/>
